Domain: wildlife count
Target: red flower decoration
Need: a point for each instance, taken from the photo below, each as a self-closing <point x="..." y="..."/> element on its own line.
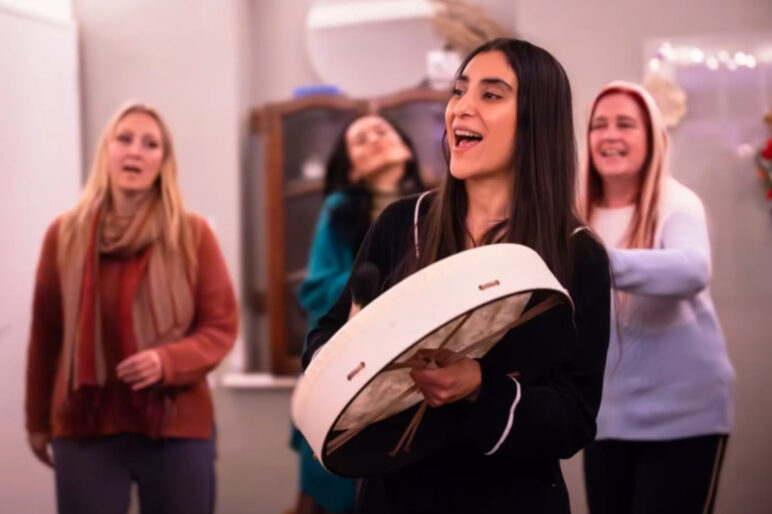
<point x="767" y="152"/>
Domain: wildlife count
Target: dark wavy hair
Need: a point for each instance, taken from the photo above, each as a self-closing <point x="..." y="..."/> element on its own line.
<point x="351" y="219"/>
<point x="336" y="176"/>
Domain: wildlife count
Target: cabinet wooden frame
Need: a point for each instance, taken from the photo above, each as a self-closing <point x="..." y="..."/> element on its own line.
<point x="267" y="121"/>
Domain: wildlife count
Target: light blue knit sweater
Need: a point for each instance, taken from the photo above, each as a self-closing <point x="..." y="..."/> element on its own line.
<point x="670" y="377"/>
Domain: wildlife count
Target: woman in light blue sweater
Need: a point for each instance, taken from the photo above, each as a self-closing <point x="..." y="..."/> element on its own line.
<point x="666" y="410"/>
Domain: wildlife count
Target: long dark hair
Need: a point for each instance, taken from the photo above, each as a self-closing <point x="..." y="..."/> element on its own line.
<point x="542" y="214"/>
<point x="336" y="176"/>
<point x="351" y="219"/>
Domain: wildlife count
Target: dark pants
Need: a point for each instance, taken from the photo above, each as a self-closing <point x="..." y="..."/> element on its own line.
<point x="653" y="477"/>
<point x="94" y="476"/>
<point x="532" y="487"/>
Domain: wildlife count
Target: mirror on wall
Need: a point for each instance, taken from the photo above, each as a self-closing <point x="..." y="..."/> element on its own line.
<point x="377" y="47"/>
<point x="371" y="47"/>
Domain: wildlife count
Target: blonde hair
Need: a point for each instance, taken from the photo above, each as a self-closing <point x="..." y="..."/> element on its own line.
<point x="178" y="232"/>
<point x="644" y="224"/>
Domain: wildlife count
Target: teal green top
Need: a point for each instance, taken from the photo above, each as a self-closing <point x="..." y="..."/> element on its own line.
<point x="329" y="264"/>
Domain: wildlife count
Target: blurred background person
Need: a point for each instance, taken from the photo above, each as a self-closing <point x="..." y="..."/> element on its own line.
<point x="667" y="398"/>
<point x="372" y="164"/>
<point x="133" y="306"/>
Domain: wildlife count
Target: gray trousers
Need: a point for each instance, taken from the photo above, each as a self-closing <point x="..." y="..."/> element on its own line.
<point x="94" y="476"/>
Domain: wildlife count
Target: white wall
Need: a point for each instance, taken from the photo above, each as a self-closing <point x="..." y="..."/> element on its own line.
<point x="51" y="10"/>
<point x="40" y="149"/>
<point x="278" y="49"/>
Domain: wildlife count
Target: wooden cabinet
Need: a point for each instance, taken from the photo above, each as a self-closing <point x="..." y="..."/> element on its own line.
<point x="295" y="139"/>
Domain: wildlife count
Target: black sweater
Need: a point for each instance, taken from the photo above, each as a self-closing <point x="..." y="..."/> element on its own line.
<point x="560" y="360"/>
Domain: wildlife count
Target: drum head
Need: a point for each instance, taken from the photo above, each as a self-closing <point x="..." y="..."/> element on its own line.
<point x="486" y="325"/>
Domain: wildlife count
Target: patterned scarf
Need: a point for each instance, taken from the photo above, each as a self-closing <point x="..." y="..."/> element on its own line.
<point x="156" y="296"/>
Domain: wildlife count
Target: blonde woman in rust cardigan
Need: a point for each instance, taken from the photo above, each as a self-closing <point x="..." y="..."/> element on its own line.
<point x="133" y="306"/>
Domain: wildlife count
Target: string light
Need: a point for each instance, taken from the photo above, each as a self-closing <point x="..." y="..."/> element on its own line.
<point x="713" y="59"/>
<point x="667" y="51"/>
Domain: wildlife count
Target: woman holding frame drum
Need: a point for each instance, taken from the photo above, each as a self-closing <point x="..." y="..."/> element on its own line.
<point x="533" y="398"/>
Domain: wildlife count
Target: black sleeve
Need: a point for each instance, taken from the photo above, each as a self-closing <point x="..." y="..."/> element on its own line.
<point x="384" y="246"/>
<point x="553" y="415"/>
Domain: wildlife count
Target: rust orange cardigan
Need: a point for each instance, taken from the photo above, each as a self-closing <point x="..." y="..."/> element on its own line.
<point x="185" y="362"/>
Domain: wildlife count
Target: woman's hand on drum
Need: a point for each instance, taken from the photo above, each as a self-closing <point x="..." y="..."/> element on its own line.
<point x="141" y="370"/>
<point x="441" y="386"/>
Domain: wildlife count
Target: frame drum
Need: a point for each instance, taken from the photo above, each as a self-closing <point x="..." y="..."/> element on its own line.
<point x="356" y="397"/>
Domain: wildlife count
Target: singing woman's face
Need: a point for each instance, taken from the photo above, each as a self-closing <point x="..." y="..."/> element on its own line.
<point x="373" y="145"/>
<point x="481" y="118"/>
<point x="135" y="152"/>
<point x="617" y="137"/>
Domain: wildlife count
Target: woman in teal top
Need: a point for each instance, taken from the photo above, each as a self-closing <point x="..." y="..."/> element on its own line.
<point x="372" y="164"/>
